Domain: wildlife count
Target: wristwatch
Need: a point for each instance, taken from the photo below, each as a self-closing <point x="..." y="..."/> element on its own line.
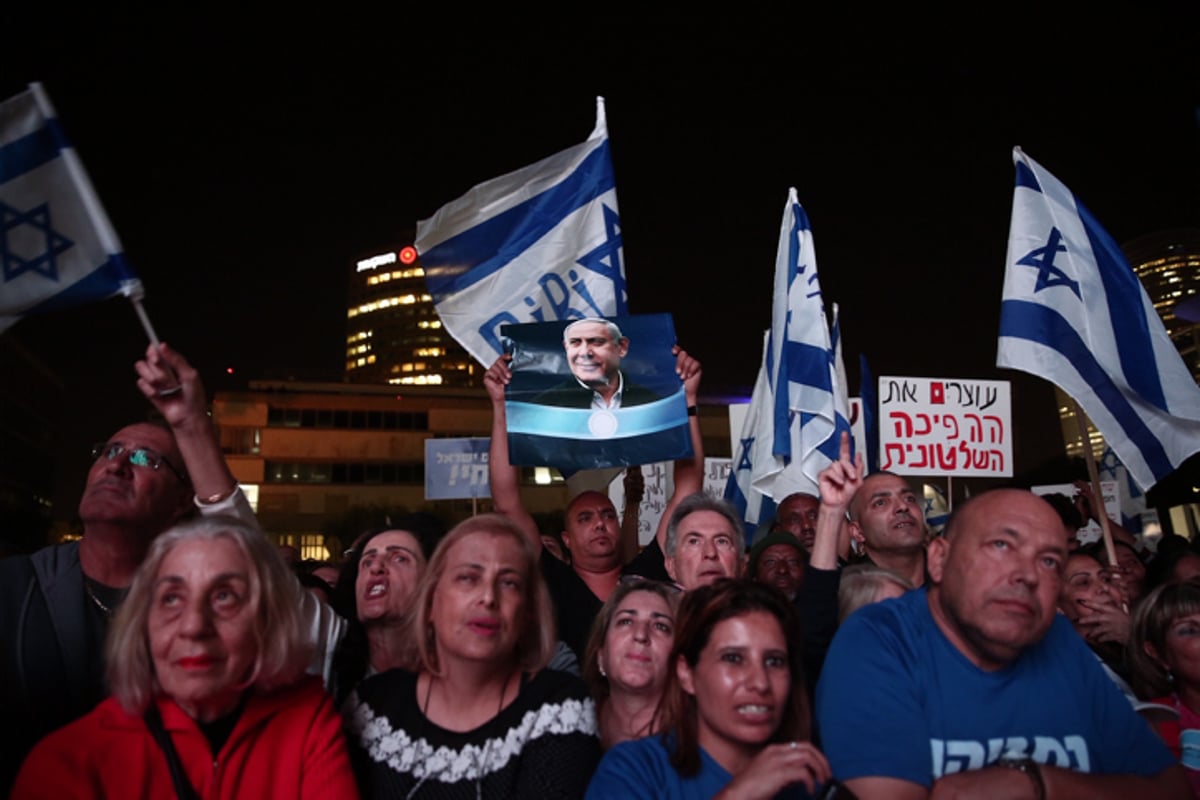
<point x="1029" y="767"/>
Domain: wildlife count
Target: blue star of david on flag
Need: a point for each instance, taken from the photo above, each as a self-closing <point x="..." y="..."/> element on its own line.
<point x="605" y="259"/>
<point x="509" y="251"/>
<point x="57" y="247"/>
<point x="47" y="243"/>
<point x="1042" y="259"/>
<point x="744" y="461"/>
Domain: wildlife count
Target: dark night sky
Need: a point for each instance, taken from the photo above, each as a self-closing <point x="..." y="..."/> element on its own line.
<point x="247" y="160"/>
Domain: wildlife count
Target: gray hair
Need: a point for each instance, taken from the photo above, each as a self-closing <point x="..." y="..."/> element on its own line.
<point x="859" y="585"/>
<point x="703" y="502"/>
<point x="280" y="630"/>
<point x="614" y="332"/>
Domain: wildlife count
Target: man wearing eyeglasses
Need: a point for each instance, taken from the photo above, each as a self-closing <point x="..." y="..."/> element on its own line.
<point x="55" y="604"/>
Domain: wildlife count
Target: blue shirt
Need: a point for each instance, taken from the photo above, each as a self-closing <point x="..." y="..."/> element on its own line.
<point x="897" y="699"/>
<point x="642" y="769"/>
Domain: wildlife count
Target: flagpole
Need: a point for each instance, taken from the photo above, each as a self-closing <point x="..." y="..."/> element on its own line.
<point x="136" y="299"/>
<point x="1094" y="476"/>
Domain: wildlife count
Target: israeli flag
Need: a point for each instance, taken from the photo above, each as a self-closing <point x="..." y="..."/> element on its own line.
<point x="1074" y="313"/>
<point x="57" y="247"/>
<point x="799" y="407"/>
<point x="754" y="448"/>
<point x="1131" y="497"/>
<point x="539" y="244"/>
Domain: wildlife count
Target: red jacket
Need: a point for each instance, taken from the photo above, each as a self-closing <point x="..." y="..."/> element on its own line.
<point x="286" y="744"/>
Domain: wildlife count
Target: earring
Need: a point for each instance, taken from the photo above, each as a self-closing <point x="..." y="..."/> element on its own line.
<point x="600" y="664"/>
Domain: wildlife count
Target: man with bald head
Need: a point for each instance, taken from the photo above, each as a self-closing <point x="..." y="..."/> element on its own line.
<point x="888" y="523"/>
<point x="55" y="605"/>
<point x="975" y="687"/>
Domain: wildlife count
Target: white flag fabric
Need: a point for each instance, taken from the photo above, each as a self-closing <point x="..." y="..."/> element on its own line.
<point x="1074" y="313"/>
<point x="539" y="244"/>
<point x="841" y="391"/>
<point x="57" y="247"/>
<point x="1130" y="495"/>
<point x="754" y="448"/>
<point x="794" y="405"/>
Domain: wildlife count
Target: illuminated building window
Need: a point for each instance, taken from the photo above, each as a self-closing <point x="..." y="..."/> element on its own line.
<point x="417" y="380"/>
<point x="340" y="418"/>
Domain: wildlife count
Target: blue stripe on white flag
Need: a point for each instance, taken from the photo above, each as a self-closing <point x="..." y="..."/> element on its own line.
<point x="96" y="285"/>
<point x="464" y="260"/>
<point x="1123" y="293"/>
<point x="29" y="152"/>
<point x="1026" y="179"/>
<point x="1036" y="323"/>
<point x="808" y="365"/>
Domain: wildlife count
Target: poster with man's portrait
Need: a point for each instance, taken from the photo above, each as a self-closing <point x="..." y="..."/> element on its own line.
<point x="593" y="393"/>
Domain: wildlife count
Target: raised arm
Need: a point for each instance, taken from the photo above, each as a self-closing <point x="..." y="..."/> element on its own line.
<point x="839" y="481"/>
<point x="689" y="472"/>
<point x="170" y="383"/>
<point x="506" y="493"/>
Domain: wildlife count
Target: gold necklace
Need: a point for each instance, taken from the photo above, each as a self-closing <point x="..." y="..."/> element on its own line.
<point x="87" y="586"/>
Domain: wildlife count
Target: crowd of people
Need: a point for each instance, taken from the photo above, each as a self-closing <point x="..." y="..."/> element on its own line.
<point x="172" y="651"/>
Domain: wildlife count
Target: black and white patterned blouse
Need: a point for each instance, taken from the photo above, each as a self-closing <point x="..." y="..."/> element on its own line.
<point x="543" y="745"/>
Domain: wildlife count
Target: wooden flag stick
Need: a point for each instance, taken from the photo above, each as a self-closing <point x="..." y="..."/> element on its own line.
<point x="1094" y="477"/>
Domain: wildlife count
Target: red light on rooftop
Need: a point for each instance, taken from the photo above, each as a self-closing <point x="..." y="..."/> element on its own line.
<point x="229" y="370"/>
<point x="408" y="255"/>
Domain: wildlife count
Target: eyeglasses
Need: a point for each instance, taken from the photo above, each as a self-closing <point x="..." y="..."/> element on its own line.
<point x="138" y="456"/>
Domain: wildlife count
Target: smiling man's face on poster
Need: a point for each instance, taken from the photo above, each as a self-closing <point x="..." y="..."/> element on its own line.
<point x="594" y="393"/>
<point x="594" y="351"/>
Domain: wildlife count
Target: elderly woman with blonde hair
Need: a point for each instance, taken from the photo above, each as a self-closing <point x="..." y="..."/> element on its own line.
<point x="206" y="661"/>
<point x="474" y="712"/>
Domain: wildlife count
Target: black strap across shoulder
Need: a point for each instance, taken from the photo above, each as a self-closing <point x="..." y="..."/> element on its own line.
<point x="183" y="788"/>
